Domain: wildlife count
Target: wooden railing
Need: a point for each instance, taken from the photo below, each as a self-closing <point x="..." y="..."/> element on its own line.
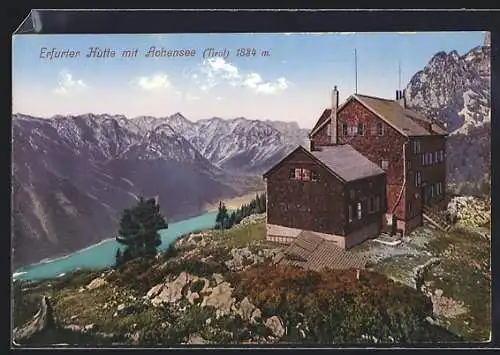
<point x="435" y="216"/>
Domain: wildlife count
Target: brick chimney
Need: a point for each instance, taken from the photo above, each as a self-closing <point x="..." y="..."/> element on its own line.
<point x="401" y="98"/>
<point x="487" y="39"/>
<point x="333" y="123"/>
<point x="312" y="147"/>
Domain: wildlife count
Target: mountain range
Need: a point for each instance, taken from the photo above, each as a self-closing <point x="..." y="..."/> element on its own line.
<point x="74" y="175"/>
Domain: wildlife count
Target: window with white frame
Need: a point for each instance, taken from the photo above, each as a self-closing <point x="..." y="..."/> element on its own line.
<point x="418" y="179"/>
<point x="361" y="129"/>
<point x="306" y="174"/>
<point x="345" y="129"/>
<point x="384" y="164"/>
<point x="416" y="147"/>
<point x="300" y="174"/>
<point x="359" y="210"/>
<point x="380" y="128"/>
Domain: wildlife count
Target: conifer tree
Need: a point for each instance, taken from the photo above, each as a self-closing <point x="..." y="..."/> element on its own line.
<point x="139" y="229"/>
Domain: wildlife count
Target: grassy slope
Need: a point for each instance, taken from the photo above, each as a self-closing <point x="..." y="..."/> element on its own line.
<point x="461" y="276"/>
<point x="463" y="273"/>
<point x="89" y="305"/>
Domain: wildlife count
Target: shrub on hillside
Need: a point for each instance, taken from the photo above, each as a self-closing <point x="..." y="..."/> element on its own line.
<point x="334" y="305"/>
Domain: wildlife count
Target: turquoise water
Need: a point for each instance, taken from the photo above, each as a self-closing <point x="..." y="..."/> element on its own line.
<point x="102" y="255"/>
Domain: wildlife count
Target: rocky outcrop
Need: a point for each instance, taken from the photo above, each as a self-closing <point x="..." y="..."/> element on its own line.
<point x="43" y="321"/>
<point x="253" y="218"/>
<point x="242" y="258"/>
<point x="445" y="307"/>
<point x="169" y="292"/>
<point x="470" y="211"/>
<point x="96" y="283"/>
<point x="247" y="311"/>
<point x="420" y="271"/>
<point x="276" y="326"/>
<point x="220" y="298"/>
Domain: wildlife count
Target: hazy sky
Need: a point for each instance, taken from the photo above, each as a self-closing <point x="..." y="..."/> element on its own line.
<point x="292" y="83"/>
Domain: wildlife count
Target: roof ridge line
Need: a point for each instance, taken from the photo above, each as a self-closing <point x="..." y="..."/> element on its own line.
<point x="376" y="97"/>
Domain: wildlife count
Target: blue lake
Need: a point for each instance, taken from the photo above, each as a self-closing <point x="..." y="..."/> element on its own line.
<point x="102" y="255"/>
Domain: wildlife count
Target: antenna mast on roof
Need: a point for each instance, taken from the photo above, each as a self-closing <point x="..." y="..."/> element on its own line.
<point x="355" y="71"/>
<point x="399" y="75"/>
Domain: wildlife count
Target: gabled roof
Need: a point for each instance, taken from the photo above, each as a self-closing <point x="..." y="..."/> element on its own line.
<point x="347" y="162"/>
<point x="313" y="252"/>
<point x="324" y="119"/>
<point x="301" y="148"/>
<point x="403" y="120"/>
<point x="343" y="161"/>
<point x="390" y="111"/>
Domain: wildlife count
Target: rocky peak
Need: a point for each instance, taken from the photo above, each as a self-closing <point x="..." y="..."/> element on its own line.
<point x="454" y="89"/>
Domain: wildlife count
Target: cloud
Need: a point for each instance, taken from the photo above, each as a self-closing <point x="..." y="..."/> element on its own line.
<point x="67" y="83"/>
<point x="190" y="97"/>
<point x="216" y="70"/>
<point x="154" y="82"/>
